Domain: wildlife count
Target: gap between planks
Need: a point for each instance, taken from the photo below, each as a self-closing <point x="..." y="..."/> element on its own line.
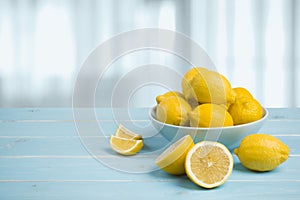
<point x="75" y="157"/>
<point x="145" y="180"/>
<point x="109" y="120"/>
<point x="86" y="157"/>
<point x="104" y="136"/>
<point x="72" y="120"/>
<point x="66" y="137"/>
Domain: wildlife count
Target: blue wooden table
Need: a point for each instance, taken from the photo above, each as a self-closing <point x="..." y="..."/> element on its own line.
<point x="42" y="156"/>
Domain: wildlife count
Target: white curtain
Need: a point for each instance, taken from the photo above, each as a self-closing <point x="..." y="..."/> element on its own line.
<point x="255" y="43"/>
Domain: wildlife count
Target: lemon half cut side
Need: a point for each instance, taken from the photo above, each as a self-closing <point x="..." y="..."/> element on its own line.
<point x="209" y="164"/>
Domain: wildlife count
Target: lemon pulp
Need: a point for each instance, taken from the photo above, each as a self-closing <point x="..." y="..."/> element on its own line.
<point x="209" y="164"/>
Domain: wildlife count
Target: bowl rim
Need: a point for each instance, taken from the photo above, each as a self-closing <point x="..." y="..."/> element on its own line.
<point x="152" y="116"/>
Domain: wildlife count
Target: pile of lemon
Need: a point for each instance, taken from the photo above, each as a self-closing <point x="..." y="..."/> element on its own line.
<point x="207" y="100"/>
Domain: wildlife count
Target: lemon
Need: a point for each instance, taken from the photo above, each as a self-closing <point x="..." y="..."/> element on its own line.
<point x="210" y="115"/>
<point x="262" y="152"/>
<point x="245" y="110"/>
<point x="206" y="86"/>
<point x="173" y="158"/>
<point x="189" y="75"/>
<point x="159" y="98"/>
<point x="125" y="146"/>
<point x="242" y="92"/>
<point x="209" y="164"/>
<point x="127" y="134"/>
<point x="173" y="110"/>
<point x="186" y="86"/>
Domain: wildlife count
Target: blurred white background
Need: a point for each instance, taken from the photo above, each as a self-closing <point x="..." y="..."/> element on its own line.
<point x="254" y="43"/>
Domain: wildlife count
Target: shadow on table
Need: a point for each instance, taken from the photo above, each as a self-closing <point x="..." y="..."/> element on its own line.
<point x="182" y="180"/>
<point x="240" y="168"/>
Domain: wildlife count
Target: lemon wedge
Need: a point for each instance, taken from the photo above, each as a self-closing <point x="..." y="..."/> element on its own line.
<point x="127" y="134"/>
<point x="125" y="146"/>
<point x="173" y="158"/>
<point x="209" y="164"/>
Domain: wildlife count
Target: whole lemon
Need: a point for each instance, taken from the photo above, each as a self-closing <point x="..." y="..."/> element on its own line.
<point x="210" y="115"/>
<point x="245" y="110"/>
<point x="186" y="82"/>
<point x="161" y="97"/>
<point x="173" y="110"/>
<point x="187" y="88"/>
<point x="262" y="152"/>
<point x="241" y="92"/>
<point x="206" y="86"/>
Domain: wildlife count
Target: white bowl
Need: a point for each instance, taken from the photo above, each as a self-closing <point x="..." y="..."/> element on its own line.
<point x="230" y="136"/>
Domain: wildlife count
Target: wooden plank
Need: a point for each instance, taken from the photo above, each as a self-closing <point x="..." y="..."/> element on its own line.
<point x="49" y="129"/>
<point x="44" y="114"/>
<point x="177" y="189"/>
<point x="40" y="129"/>
<point x="276" y="127"/>
<point x="72" y="146"/>
<point x="11" y="114"/>
<point x="68" y="129"/>
<point x="23" y="114"/>
<point x="65" y="146"/>
<point x="284" y="113"/>
<point x="52" y="169"/>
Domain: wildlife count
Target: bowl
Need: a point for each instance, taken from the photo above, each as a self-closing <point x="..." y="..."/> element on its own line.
<point x="230" y="136"/>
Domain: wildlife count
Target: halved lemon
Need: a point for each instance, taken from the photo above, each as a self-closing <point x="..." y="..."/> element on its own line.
<point x="209" y="164"/>
<point x="125" y="133"/>
<point x="173" y="158"/>
<point x="125" y="146"/>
